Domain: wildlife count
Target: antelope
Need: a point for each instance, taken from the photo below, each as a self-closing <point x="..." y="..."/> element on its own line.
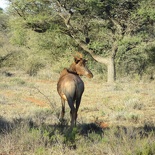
<point x="70" y="86"/>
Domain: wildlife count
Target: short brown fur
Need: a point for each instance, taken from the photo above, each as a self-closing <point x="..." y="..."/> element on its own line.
<point x="70" y="86"/>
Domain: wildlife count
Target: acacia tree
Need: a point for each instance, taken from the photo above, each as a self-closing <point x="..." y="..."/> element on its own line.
<point x="106" y="29"/>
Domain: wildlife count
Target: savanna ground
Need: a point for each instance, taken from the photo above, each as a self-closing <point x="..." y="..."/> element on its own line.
<point x="114" y="119"/>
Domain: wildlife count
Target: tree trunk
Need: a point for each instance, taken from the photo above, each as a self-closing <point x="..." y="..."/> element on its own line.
<point x="110" y="64"/>
<point x="109" y="61"/>
<point x="111" y="70"/>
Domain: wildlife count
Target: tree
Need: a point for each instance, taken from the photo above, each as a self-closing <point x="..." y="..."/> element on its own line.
<point x="4" y="42"/>
<point x="111" y="25"/>
<point x="109" y="30"/>
<point x="32" y="25"/>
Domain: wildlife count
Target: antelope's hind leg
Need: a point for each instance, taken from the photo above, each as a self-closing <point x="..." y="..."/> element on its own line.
<point x="78" y="100"/>
<point x="63" y="110"/>
<point x="72" y="111"/>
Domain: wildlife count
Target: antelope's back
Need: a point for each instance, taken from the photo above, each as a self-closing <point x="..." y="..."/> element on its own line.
<point x="70" y="85"/>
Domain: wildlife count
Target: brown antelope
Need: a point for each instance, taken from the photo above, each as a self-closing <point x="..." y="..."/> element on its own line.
<point x="70" y="86"/>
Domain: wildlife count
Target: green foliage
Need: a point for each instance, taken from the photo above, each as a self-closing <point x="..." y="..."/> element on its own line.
<point x="147" y="10"/>
<point x="151" y="54"/>
<point x="146" y="150"/>
<point x="34" y="66"/>
<point x="132" y="56"/>
<point x="40" y="151"/>
<point x="3" y="21"/>
<point x="11" y="58"/>
<point x="70" y="135"/>
<point x="18" y="33"/>
<point x="41" y="30"/>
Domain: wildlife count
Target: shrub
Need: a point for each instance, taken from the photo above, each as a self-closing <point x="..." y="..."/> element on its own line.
<point x="33" y="67"/>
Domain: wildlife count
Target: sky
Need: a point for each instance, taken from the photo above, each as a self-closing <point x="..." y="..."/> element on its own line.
<point x="3" y="4"/>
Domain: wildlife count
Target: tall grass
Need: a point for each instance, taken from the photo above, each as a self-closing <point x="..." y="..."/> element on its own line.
<point x="25" y="137"/>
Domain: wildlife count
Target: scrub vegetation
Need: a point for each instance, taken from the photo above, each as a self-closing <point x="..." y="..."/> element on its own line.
<point x="39" y="38"/>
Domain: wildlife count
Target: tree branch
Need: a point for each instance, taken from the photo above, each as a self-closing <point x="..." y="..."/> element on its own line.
<point x="64" y="14"/>
<point x="91" y="52"/>
<point x="118" y="26"/>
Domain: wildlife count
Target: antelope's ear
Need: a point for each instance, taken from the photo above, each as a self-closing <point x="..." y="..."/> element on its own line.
<point x="76" y="60"/>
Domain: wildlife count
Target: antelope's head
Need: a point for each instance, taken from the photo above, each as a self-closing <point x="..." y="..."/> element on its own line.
<point x="79" y="66"/>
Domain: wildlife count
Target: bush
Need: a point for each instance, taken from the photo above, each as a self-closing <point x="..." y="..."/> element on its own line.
<point x="33" y="67"/>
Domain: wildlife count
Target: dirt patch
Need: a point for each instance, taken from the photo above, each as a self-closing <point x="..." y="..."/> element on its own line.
<point x="37" y="101"/>
<point x="9" y="94"/>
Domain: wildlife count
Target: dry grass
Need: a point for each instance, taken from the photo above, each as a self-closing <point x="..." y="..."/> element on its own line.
<point x="112" y="119"/>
